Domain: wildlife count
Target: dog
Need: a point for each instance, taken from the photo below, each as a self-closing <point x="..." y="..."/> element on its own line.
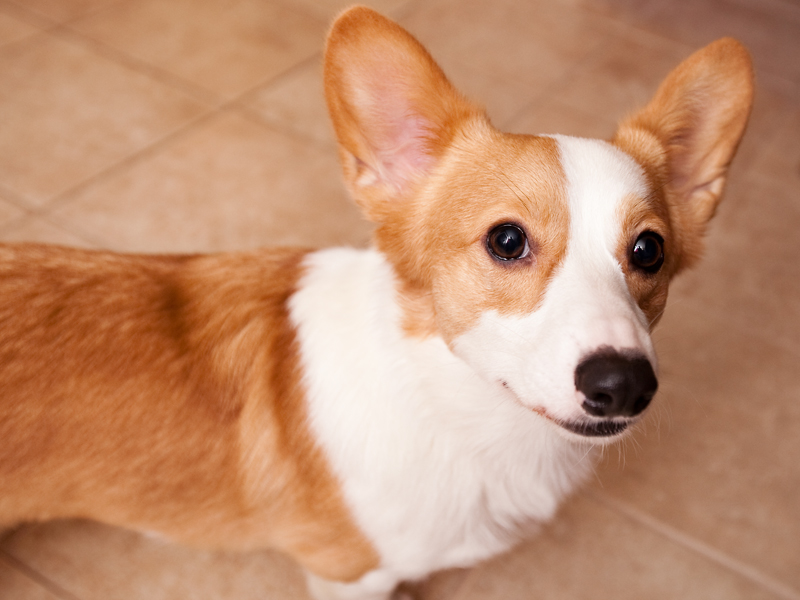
<point x="376" y="414"/>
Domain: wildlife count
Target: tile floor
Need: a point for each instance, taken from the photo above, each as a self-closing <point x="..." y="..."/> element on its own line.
<point x="178" y="125"/>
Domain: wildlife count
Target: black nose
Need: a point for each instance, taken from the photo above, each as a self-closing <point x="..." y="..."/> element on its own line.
<point x="615" y="384"/>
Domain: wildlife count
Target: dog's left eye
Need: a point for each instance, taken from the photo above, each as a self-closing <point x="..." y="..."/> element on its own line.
<point x="648" y="252"/>
<point x="508" y="242"/>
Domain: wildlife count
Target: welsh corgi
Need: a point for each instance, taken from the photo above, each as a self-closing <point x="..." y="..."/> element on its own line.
<point x="377" y="414"/>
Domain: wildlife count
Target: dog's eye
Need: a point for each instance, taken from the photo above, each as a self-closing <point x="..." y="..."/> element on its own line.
<point x="648" y="252"/>
<point x="508" y="242"/>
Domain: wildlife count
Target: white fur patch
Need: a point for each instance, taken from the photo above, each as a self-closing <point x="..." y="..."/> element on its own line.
<point x="440" y="467"/>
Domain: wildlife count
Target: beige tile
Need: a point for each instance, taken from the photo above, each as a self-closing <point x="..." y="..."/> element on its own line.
<point x="769" y="28"/>
<point x="592" y="552"/>
<point x="231" y="184"/>
<point x="8" y="213"/>
<point x="96" y="562"/>
<point x="503" y="53"/>
<point x="14" y="585"/>
<point x="37" y="229"/>
<point x="68" y="114"/>
<point x="552" y="116"/>
<point x="622" y="76"/>
<point x="296" y="102"/>
<point x="444" y="585"/>
<point x="750" y="274"/>
<point x="63" y="10"/>
<point x="718" y="459"/>
<point x="225" y="47"/>
<point x="13" y="29"/>
<point x="777" y="158"/>
<point x="772" y="111"/>
<point x="328" y="9"/>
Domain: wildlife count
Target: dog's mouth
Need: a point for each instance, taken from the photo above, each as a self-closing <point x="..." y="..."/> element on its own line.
<point x="595" y="429"/>
<point x="589" y="429"/>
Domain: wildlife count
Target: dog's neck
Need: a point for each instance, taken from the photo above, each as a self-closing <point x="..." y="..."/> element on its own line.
<point x="424" y="417"/>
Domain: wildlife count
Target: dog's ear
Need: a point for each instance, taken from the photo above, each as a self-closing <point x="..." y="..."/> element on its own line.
<point x="688" y="134"/>
<point x="393" y="110"/>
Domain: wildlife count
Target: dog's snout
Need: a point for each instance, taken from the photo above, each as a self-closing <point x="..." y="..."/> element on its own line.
<point x="615" y="384"/>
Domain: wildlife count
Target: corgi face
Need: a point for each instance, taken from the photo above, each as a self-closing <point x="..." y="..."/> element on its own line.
<point x="543" y="262"/>
<point x="563" y="318"/>
<point x="540" y="254"/>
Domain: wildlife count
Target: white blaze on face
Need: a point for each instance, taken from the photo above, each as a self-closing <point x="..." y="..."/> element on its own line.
<point x="587" y="304"/>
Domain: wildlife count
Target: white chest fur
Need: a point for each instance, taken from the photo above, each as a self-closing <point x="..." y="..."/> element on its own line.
<point x="439" y="466"/>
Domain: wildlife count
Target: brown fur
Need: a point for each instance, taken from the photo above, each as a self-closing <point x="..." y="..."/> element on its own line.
<point x="162" y="393"/>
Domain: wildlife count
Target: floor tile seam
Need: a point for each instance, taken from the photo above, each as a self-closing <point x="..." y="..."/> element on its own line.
<point x="35" y="576"/>
<point x="162" y="76"/>
<point x="243" y="103"/>
<point x="23" y="13"/>
<point x="14" y="223"/>
<point x="62" y="198"/>
<point x="52" y="220"/>
<point x="15" y="199"/>
<point x="94" y="242"/>
<point x="276" y="126"/>
<point x="247" y="95"/>
<point x="43" y="32"/>
<point x="687" y="541"/>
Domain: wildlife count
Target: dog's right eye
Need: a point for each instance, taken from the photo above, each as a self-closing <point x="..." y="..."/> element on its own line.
<point x="648" y="252"/>
<point x="508" y="242"/>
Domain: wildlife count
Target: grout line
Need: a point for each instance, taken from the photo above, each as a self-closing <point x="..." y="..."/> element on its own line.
<point x="707" y="551"/>
<point x="247" y="95"/>
<point x="256" y="117"/>
<point x="23" y="13"/>
<point x="131" y="159"/>
<point x="50" y="585"/>
<point x="197" y="93"/>
<point x="16" y="199"/>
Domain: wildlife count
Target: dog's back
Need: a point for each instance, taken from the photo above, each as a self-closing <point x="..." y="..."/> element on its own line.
<point x="161" y="393"/>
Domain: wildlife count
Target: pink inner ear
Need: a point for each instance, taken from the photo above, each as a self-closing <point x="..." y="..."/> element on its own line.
<point x="398" y="135"/>
<point x="404" y="155"/>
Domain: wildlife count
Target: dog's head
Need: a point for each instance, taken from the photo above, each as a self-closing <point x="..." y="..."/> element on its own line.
<point x="542" y="261"/>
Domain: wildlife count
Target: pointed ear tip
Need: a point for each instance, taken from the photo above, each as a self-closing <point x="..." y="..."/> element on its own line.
<point x="733" y="54"/>
<point x="357" y="20"/>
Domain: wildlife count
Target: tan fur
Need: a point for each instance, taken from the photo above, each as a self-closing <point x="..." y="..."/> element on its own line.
<point x="162" y="393"/>
<point x="638" y="215"/>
